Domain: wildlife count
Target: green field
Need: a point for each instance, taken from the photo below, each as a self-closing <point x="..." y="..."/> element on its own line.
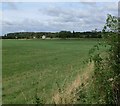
<point x="39" y="66"/>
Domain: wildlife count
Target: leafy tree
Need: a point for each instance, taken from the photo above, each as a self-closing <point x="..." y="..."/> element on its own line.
<point x="113" y="40"/>
<point x="64" y="34"/>
<point x="107" y="65"/>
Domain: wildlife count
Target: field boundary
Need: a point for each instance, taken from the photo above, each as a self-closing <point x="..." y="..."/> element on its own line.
<point x="68" y="95"/>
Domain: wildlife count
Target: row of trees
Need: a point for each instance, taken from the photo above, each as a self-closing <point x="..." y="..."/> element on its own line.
<point x="61" y="34"/>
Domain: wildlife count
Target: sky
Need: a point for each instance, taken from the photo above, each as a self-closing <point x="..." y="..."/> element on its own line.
<point x="55" y="16"/>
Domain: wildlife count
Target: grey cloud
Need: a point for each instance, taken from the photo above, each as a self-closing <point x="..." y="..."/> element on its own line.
<point x="65" y="15"/>
<point x="7" y="23"/>
<point x="90" y="4"/>
<point x="74" y="16"/>
<point x="109" y="8"/>
<point x="57" y="19"/>
<point x="51" y="11"/>
<point x="58" y="12"/>
<point x="11" y="5"/>
<point x="26" y="25"/>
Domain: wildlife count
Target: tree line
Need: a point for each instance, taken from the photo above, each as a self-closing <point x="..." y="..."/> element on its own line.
<point x="61" y="34"/>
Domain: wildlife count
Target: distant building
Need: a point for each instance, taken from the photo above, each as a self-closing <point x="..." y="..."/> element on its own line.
<point x="43" y="37"/>
<point x="34" y="37"/>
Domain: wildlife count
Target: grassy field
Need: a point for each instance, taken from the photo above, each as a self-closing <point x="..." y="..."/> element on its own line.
<point x="39" y="67"/>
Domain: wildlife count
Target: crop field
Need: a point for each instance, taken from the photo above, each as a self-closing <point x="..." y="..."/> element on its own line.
<point x="40" y="67"/>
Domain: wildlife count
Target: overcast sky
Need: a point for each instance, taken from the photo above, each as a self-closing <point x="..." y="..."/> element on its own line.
<point x="55" y="16"/>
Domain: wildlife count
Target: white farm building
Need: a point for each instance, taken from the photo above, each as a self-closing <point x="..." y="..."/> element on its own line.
<point x="43" y="37"/>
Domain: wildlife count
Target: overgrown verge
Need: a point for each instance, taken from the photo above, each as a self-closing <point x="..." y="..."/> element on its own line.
<point x="107" y="65"/>
<point x="75" y="91"/>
